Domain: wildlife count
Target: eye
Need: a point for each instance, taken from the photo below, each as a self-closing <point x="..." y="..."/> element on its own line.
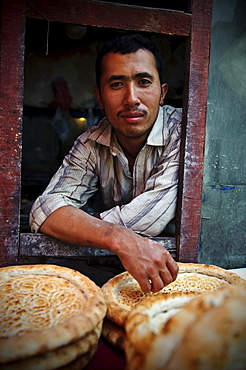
<point x="116" y="85"/>
<point x="145" y="81"/>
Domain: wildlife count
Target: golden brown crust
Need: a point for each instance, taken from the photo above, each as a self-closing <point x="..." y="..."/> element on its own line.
<point x="134" y="360"/>
<point x="114" y="334"/>
<point x="122" y="292"/>
<point x="60" y="357"/>
<point x="212" y="270"/>
<point x="82" y="361"/>
<point x="66" y="325"/>
<point x="147" y="319"/>
<point x="207" y="333"/>
<point x="118" y="306"/>
<point x="223" y="318"/>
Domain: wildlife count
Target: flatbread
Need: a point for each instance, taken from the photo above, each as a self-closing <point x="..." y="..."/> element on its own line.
<point x="114" y="334"/>
<point x="44" y="307"/>
<point x="61" y="356"/>
<point x="150" y="315"/>
<point x="122" y="292"/>
<point x="209" y="332"/>
<point x="82" y="361"/>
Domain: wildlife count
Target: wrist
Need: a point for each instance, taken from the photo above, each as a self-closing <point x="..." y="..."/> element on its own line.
<point x="115" y="235"/>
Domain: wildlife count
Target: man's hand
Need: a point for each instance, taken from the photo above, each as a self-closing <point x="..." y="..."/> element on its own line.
<point x="146" y="260"/>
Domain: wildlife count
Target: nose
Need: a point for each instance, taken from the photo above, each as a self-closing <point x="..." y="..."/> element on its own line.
<point x="131" y="97"/>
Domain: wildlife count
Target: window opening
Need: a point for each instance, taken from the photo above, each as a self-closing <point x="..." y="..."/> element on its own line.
<point x="68" y="69"/>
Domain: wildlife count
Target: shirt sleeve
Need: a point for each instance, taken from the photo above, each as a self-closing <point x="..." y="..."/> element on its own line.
<point x="150" y="212"/>
<point x="73" y="184"/>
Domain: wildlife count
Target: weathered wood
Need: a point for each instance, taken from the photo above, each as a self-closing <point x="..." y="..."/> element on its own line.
<point x="195" y="103"/>
<point x="11" y="79"/>
<point x="44" y="245"/>
<point x="111" y="15"/>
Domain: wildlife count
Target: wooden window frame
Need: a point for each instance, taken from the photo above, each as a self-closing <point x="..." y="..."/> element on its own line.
<point x="195" y="26"/>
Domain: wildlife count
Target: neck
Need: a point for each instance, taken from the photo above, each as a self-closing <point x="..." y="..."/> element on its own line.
<point x="131" y="148"/>
<point x="130" y="157"/>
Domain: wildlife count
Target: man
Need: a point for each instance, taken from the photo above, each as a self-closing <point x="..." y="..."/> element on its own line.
<point x="132" y="156"/>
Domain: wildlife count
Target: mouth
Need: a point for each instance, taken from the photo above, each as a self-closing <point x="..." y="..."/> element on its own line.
<point x="132" y="117"/>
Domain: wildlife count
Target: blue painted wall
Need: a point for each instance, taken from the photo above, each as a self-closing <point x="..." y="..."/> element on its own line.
<point x="223" y="224"/>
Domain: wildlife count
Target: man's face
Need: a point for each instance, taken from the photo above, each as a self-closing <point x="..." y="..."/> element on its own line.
<point x="130" y="93"/>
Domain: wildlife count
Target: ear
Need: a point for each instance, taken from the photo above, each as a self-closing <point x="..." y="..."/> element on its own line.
<point x="164" y="90"/>
<point x="98" y="97"/>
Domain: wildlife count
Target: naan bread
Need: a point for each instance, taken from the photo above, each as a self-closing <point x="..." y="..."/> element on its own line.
<point x="62" y="356"/>
<point x="44" y="307"/>
<point x="82" y="361"/>
<point x="208" y="333"/>
<point x="114" y="334"/>
<point x="123" y="292"/>
<point x="147" y="319"/>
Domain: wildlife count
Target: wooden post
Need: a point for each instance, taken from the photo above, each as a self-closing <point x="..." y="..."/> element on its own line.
<point x="11" y="96"/>
<point x="195" y="103"/>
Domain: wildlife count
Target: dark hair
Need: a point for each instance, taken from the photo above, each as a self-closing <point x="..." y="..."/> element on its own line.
<point x="127" y="44"/>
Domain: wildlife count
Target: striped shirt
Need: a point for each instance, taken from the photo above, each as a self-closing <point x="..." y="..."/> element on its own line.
<point x="144" y="201"/>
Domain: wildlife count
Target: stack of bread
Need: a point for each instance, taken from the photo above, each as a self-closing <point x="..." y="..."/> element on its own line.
<point x="50" y="318"/>
<point x="197" y="322"/>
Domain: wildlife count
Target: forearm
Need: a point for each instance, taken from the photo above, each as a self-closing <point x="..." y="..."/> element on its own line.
<point x="77" y="227"/>
<point x="148" y="214"/>
<point x="145" y="260"/>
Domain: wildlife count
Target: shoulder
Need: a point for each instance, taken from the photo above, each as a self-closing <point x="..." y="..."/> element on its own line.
<point x="100" y="133"/>
<point x="88" y="146"/>
<point x="171" y="114"/>
<point x="167" y="126"/>
<point x="172" y="120"/>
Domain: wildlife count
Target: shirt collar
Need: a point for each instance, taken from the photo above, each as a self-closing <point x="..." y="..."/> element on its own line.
<point x="101" y="133"/>
<point x="159" y="132"/>
<point x="157" y="137"/>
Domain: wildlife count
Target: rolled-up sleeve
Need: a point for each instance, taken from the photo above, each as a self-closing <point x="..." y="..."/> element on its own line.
<point x="73" y="184"/>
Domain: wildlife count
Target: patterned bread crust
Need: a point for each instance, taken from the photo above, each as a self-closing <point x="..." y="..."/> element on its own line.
<point x="122" y="292"/>
<point x="118" y="307"/>
<point x="211" y="270"/>
<point x="207" y="333"/>
<point x="73" y="323"/>
<point x="60" y="357"/>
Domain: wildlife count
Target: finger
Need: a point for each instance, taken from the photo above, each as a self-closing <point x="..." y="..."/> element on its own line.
<point x="146" y="285"/>
<point x="173" y="268"/>
<point x="157" y="283"/>
<point x="166" y="277"/>
<point x="143" y="281"/>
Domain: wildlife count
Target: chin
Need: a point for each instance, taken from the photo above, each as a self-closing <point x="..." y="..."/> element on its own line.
<point x="133" y="132"/>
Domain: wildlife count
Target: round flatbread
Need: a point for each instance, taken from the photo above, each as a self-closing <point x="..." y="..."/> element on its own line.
<point x="61" y="356"/>
<point x="82" y="361"/>
<point x="122" y="292"/>
<point x="44" y="307"/>
<point x="209" y="332"/>
<point x="114" y="334"/>
<point x="147" y="318"/>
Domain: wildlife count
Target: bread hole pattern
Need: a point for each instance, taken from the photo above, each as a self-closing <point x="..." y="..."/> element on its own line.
<point x="130" y="293"/>
<point x="32" y="302"/>
<point x="193" y="282"/>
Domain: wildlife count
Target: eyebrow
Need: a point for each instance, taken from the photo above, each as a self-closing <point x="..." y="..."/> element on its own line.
<point x="123" y="77"/>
